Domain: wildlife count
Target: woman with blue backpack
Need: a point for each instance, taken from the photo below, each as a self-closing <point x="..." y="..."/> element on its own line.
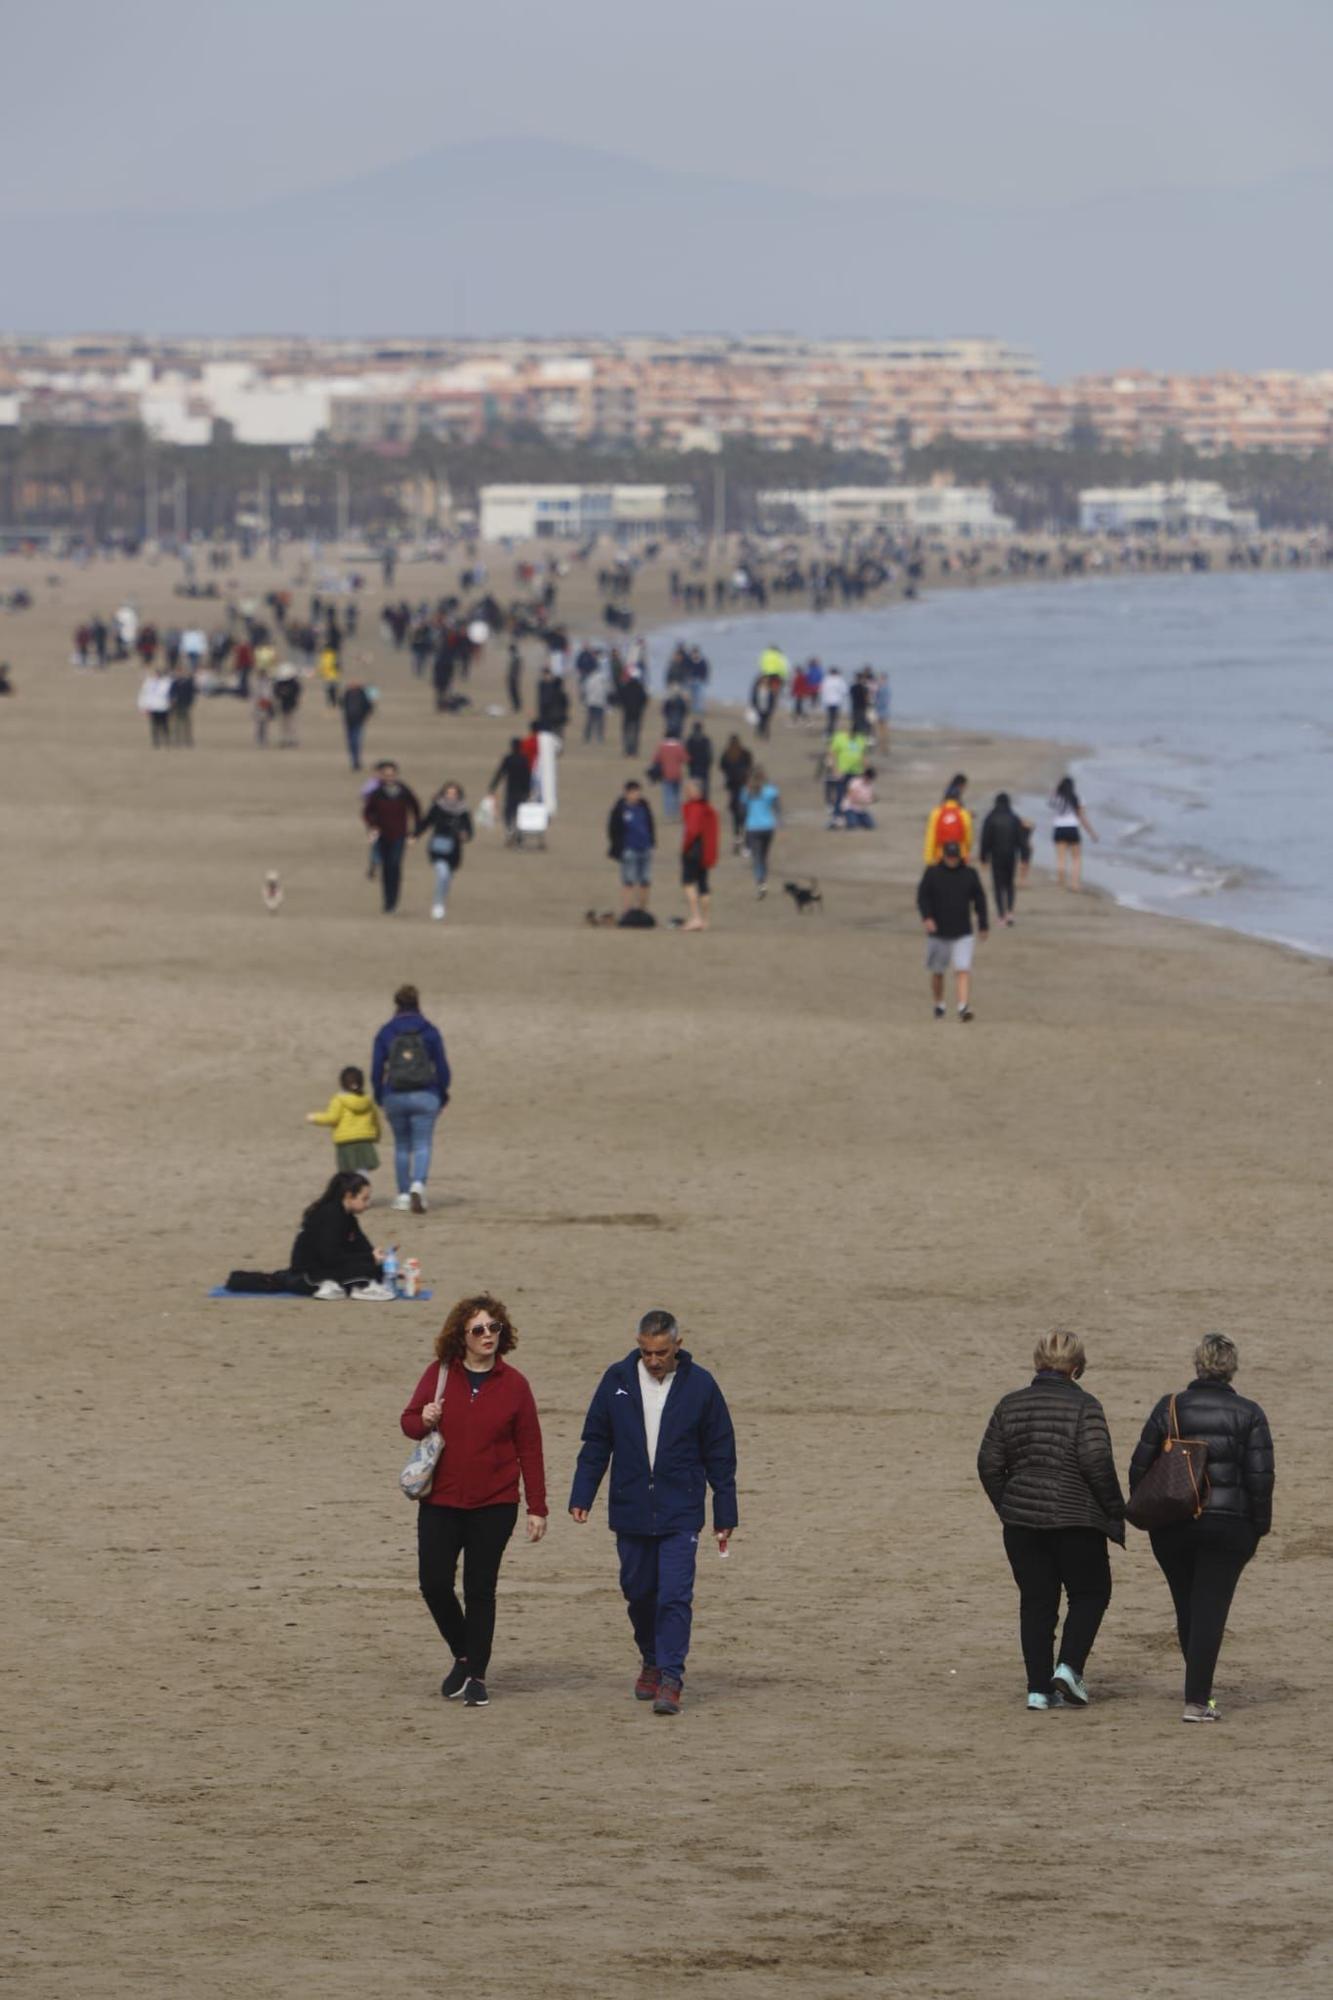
<point x="410" y="1080"/>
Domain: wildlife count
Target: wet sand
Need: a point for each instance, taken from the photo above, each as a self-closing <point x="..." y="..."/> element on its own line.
<point x="228" y="1768"/>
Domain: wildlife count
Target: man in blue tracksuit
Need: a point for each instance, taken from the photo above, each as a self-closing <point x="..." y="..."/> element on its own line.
<point x="661" y="1423"/>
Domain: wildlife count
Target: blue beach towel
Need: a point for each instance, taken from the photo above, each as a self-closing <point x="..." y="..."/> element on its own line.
<point x="276" y="1298"/>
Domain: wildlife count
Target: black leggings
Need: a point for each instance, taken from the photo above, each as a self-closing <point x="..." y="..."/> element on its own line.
<point x="1002" y="875"/>
<point x="1202" y="1561"/>
<point x="1045" y="1560"/>
<point x="736" y="801"/>
<point x="480" y="1535"/>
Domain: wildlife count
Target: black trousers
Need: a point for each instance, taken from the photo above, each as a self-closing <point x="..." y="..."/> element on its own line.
<point x="1202" y="1561"/>
<point x="630" y="726"/>
<point x="1044" y="1562"/>
<point x="480" y="1535"/>
<point x="391" y="871"/>
<point x="1002" y="875"/>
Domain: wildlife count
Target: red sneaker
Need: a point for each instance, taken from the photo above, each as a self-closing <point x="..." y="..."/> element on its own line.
<point x="669" y="1697"/>
<point x="646" y="1686"/>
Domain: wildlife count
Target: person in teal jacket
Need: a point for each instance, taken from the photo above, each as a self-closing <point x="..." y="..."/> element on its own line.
<point x="763" y="808"/>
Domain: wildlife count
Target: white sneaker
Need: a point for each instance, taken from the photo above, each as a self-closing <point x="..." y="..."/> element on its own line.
<point x="330" y="1289"/>
<point x="401" y="1201"/>
<point x="375" y="1292"/>
<point x="437" y="911"/>
<point x="417" y="1198"/>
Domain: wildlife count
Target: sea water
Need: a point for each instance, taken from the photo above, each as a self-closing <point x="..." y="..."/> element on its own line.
<point x="1201" y="708"/>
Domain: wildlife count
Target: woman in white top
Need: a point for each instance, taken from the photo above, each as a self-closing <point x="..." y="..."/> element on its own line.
<point x="1071" y="823"/>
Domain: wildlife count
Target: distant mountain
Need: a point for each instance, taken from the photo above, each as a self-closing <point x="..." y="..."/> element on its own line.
<point x="531" y="236"/>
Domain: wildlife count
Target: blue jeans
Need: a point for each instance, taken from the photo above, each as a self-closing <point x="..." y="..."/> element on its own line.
<point x="657" y="1577"/>
<point x="671" y="798"/>
<point x="412" y="1115"/>
<point x="353" y="732"/>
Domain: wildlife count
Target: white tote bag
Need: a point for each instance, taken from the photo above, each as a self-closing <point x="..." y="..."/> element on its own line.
<point x="418" y="1475"/>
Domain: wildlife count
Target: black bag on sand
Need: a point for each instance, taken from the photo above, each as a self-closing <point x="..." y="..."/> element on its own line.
<point x="270" y="1281"/>
<point x="1175" y="1486"/>
<point x="636" y="920"/>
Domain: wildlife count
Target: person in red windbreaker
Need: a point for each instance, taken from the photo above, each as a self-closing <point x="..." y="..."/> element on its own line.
<point x="698" y="853"/>
<point x="488" y="1421"/>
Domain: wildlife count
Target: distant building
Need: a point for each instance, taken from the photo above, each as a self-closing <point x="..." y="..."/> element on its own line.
<point x="838" y="510"/>
<point x="1178" y="507"/>
<point x="573" y="513"/>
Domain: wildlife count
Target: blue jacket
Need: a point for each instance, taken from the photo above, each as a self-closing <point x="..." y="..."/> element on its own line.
<point x="409" y="1024"/>
<point x="696" y="1448"/>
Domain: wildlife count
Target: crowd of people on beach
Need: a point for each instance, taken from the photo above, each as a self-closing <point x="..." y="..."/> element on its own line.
<point x="658" y="1421"/>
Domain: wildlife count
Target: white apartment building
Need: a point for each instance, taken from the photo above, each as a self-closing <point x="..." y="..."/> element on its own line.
<point x="1182" y="506"/>
<point x="575" y="513"/>
<point x="838" y="510"/>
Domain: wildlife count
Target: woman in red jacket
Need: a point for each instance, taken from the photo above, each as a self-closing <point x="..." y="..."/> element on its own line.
<point x="698" y="853"/>
<point x="488" y="1421"/>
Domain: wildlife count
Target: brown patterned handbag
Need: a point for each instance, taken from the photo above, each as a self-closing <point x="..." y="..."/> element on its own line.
<point x="1175" y="1486"/>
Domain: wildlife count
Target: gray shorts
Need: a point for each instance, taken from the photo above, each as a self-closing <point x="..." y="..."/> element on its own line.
<point x="941" y="953"/>
<point x="636" y="867"/>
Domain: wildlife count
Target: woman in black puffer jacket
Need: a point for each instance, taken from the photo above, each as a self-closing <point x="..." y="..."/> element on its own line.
<point x="1202" y="1559"/>
<point x="1048" y="1470"/>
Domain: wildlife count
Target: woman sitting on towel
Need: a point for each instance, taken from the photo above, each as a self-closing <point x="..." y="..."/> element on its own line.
<point x="331" y="1250"/>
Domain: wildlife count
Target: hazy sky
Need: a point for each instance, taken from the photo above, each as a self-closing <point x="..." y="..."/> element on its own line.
<point x="171" y="104"/>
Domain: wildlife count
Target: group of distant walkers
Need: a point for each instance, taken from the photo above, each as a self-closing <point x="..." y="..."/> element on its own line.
<point x="950" y="892"/>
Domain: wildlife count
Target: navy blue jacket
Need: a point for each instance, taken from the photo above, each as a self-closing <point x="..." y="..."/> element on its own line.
<point x="409" y="1024"/>
<point x="696" y="1449"/>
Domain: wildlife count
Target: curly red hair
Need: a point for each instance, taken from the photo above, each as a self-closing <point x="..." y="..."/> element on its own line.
<point x="450" y="1344"/>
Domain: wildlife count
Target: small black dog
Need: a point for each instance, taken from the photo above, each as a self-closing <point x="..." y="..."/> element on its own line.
<point x="803" y="894"/>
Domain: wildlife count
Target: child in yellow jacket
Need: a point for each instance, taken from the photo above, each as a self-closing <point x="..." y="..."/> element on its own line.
<point x="356" y="1124"/>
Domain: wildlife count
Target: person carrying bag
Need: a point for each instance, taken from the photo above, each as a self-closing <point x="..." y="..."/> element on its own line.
<point x="1206" y="1499"/>
<point x="473" y="1416"/>
<point x="1175" y="1486"/>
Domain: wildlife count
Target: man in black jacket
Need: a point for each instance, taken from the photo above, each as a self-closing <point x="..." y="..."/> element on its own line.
<point x="633" y="698"/>
<point x="515" y="774"/>
<point x="948" y="893"/>
<point x="357" y="710"/>
<point x="631" y="837"/>
<point x="1005" y="841"/>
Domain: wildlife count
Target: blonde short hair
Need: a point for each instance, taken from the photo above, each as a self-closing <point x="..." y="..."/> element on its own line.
<point x="1216" y="1358"/>
<point x="1060" y="1350"/>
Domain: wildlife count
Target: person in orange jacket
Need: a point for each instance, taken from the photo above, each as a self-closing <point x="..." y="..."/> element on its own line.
<point x="950" y="823"/>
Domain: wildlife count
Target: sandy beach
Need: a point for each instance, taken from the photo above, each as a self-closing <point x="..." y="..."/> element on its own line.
<point x="228" y="1769"/>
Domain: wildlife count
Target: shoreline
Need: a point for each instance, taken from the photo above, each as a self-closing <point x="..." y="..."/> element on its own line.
<point x="1057" y="756"/>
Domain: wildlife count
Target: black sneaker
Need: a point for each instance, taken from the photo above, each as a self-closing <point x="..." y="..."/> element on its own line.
<point x="475" y="1695"/>
<point x="940" y="1012"/>
<point x="454" y="1681"/>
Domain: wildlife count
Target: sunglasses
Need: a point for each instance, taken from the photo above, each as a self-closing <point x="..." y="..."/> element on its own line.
<point x="490" y="1326"/>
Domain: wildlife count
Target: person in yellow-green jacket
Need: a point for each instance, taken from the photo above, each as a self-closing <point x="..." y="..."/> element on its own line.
<point x="950" y="823"/>
<point x="355" y="1119"/>
<point x="844" y="759"/>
